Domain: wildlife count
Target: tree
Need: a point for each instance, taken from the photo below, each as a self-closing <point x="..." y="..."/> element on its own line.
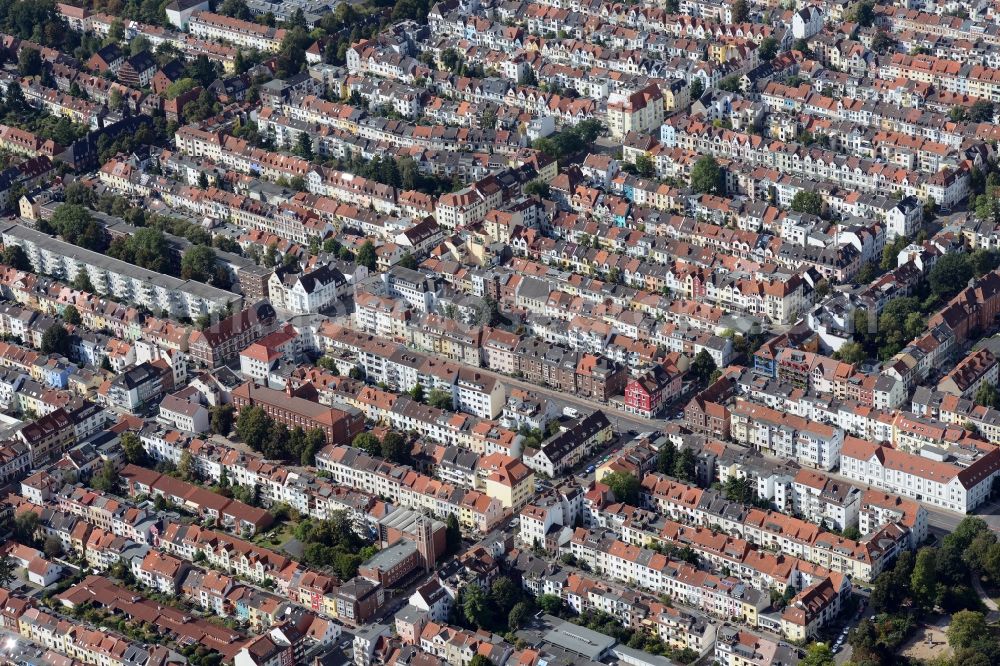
<point x="366" y="256"/>
<point x="818" y="654"/>
<point x="82" y="282"/>
<point x="315" y="440"/>
<point x="395" y="448"/>
<point x="29" y="62"/>
<point x="107" y="478"/>
<point x="966" y="628"/>
<point x="77" y="226"/>
<point x="480" y="660"/>
<point x="369" y="443"/>
<point x="666" y="458"/>
<point x="864" y="13"/>
<point x="686" y="466"/>
<point x="15" y="257"/>
<point x="981" y="111"/>
<point x="768" y="49"/>
<point x="882" y="42"/>
<point x="624" y="485"/>
<point x="706" y="176"/>
<point x="440" y="398"/>
<point x="702" y="367"/>
<point x="7" y="571"/>
<point x="304" y="146"/>
<point x="851" y="352"/>
<point x="134" y="451"/>
<point x="537" y="188"/>
<point x="805" y="201"/>
<point x="924" y="585"/>
<point x="951" y="273"/>
<point x="987" y="395"/>
<point x="518" y="615"/>
<point x="477" y="607"/>
<point x="550" y="603"/>
<point x="222" y="419"/>
<point x="53" y="547"/>
<point x="729" y="84"/>
<point x="71" y="315"/>
<point x="186" y="466"/>
<point x="453" y="534"/>
<point x="985" y="261"/>
<point x="504" y="593"/>
<point x="644" y="166"/>
<point x="697" y="89"/>
<point x="253" y="426"/>
<point x="198" y="263"/>
<point x="55" y="340"/>
<point x="741" y="11"/>
<point x="408" y="261"/>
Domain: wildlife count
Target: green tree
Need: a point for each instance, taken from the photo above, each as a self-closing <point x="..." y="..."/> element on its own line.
<point x="186" y="466"/>
<point x="440" y="398"/>
<point x="697" y="89"/>
<point x="686" y="467"/>
<point x="740" y="10"/>
<point x="805" y="201"/>
<point x="966" y="629"/>
<point x="550" y="603"/>
<point x="537" y="188"/>
<point x="53" y="547"/>
<point x="851" y="352"/>
<point x="702" y="367"/>
<point x="71" y="315"/>
<point x="925" y="587"/>
<point x="504" y="593"/>
<point x="981" y="111"/>
<point x="366" y="256"/>
<point x="518" y="615"/>
<point x="315" y="440"/>
<point x="304" y="146"/>
<point x="480" y="660"/>
<point x="706" y="176"/>
<point x="818" y="654"/>
<point x="395" y="448"/>
<point x="77" y="226"/>
<point x="768" y="49"/>
<point x="15" y="257"/>
<point x="951" y="273"/>
<point x="55" y="340"/>
<point x="222" y="419"/>
<point x="29" y="62"/>
<point x="106" y="479"/>
<point x="408" y="261"/>
<point x="987" y="395"/>
<point x="198" y="263"/>
<point x="624" y="485"/>
<point x="369" y="443"/>
<point x="901" y="320"/>
<point x="253" y="426"/>
<point x="8" y="571"/>
<point x="134" y="451"/>
<point x="418" y="393"/>
<point x="453" y="534"/>
<point x="82" y="282"/>
<point x="644" y="166"/>
<point x="666" y="458"/>
<point x="477" y="607"/>
<point x="985" y="261"/>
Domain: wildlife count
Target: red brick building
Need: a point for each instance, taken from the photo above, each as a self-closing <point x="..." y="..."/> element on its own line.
<point x="341" y="426"/>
